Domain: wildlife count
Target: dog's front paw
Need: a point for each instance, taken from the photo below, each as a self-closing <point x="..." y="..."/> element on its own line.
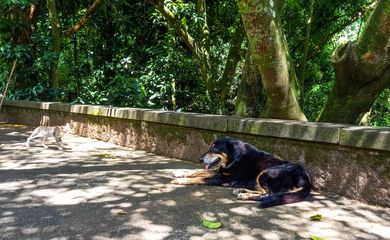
<point x="178" y="174"/>
<point x="243" y="196"/>
<point x="238" y="191"/>
<point x="181" y="181"/>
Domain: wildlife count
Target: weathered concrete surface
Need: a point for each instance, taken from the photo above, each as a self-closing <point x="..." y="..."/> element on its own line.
<point x="97" y="190"/>
<point x="308" y="131"/>
<point x="366" y="137"/>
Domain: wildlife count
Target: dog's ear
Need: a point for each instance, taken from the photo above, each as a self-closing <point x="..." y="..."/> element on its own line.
<point x="234" y="151"/>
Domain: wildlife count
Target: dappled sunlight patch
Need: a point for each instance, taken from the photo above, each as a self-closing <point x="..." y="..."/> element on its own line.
<point x="246" y="237"/>
<point x="244" y="210"/>
<point x="119" y="205"/>
<point x="30" y="230"/>
<point x="146" y="228"/>
<point x="218" y="234"/>
<point x="198" y="194"/>
<point x="6" y="219"/>
<point x="274" y="235"/>
<point x="227" y="200"/>
<point x="369" y="216"/>
<point x="64" y="196"/>
<point x="14" y="185"/>
<point x="139" y="194"/>
<point x="118" y="212"/>
<point x="168" y="203"/>
<point x="15" y="133"/>
<point x="297" y="224"/>
<point x="104" y="199"/>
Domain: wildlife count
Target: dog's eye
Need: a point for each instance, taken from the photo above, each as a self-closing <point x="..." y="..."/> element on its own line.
<point x="216" y="151"/>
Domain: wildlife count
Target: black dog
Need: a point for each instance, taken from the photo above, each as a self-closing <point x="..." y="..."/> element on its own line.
<point x="258" y="175"/>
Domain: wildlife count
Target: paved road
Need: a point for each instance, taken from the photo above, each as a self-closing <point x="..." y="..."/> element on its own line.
<point x="97" y="190"/>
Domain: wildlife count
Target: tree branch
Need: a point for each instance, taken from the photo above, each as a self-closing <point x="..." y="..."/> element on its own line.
<point x="83" y="20"/>
<point x="177" y="25"/>
<point x="232" y="59"/>
<point x="326" y="39"/>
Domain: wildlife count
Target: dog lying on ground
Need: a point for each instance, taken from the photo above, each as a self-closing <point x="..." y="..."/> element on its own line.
<point x="258" y="175"/>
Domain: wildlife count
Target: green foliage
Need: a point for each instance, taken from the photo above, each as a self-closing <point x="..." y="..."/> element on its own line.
<point x="127" y="56"/>
<point x="380" y="112"/>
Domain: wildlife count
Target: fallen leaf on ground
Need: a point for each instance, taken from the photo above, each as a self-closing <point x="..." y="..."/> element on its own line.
<point x="317" y="217"/>
<point x="122" y="213"/>
<point x="106" y="155"/>
<point x="312" y="237"/>
<point x="210" y="224"/>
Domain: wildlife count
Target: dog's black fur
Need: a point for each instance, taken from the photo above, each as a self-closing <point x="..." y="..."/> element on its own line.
<point x="259" y="175"/>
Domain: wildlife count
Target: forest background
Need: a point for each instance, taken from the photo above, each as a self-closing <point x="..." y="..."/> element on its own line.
<point x="315" y="60"/>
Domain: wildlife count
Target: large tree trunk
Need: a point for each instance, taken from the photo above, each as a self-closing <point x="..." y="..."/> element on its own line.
<point x="362" y="70"/>
<point x="250" y="97"/>
<point x="224" y="83"/>
<point x="271" y="56"/>
<point x="21" y="35"/>
<point x="58" y="35"/>
<point x="56" y="41"/>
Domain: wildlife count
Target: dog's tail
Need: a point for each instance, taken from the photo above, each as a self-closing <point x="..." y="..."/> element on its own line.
<point x="285" y="197"/>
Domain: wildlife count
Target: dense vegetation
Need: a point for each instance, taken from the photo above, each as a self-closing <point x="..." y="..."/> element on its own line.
<point x="195" y="56"/>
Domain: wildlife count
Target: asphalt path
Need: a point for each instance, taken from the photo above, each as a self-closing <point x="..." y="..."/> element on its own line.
<point x="98" y="190"/>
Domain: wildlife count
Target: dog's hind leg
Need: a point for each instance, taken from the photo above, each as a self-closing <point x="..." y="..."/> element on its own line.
<point x="246" y="194"/>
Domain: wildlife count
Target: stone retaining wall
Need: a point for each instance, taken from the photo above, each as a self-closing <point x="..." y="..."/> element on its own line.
<point x="348" y="160"/>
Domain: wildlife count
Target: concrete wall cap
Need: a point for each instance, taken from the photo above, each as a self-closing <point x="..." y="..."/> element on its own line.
<point x="343" y="134"/>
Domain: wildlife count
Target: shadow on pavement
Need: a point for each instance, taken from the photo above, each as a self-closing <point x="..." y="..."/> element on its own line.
<point x="97" y="190"/>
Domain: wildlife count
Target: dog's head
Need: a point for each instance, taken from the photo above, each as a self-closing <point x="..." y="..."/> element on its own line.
<point x="223" y="153"/>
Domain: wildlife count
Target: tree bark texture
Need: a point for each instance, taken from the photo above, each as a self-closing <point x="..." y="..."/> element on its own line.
<point x="56" y="41"/>
<point x="270" y="54"/>
<point x="58" y="35"/>
<point x="250" y="97"/>
<point x="21" y="35"/>
<point x="362" y="70"/>
<point x="224" y="83"/>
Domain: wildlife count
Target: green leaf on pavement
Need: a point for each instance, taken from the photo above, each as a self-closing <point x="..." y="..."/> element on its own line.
<point x="312" y="237"/>
<point x="317" y="217"/>
<point x="210" y="224"/>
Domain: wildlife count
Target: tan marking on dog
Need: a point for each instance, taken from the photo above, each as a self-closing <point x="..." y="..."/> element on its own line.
<point x="295" y="189"/>
<point x="189" y="181"/>
<point x="215" y="156"/>
<point x="261" y="190"/>
<point x="224" y="159"/>
<point x="203" y="173"/>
